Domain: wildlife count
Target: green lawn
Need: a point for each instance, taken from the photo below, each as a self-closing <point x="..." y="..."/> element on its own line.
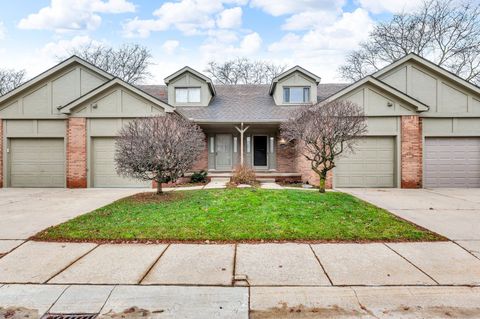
<point x="238" y="215"/>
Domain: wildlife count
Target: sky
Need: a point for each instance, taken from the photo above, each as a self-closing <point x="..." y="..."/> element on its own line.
<point x="315" y="34"/>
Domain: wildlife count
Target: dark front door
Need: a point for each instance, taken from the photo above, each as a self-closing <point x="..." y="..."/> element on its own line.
<point x="260" y="151"/>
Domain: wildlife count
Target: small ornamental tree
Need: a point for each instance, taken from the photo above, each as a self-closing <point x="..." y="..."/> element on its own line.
<point x="159" y="148"/>
<point x="324" y="131"/>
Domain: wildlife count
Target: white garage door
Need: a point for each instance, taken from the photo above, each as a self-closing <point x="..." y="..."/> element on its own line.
<point x="103" y="164"/>
<point x="372" y="164"/>
<point x="37" y="162"/>
<point x="452" y="162"/>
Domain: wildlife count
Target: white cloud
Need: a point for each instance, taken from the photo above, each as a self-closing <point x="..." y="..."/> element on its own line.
<point x="62" y="47"/>
<point x="65" y="15"/>
<point x="230" y="18"/>
<point x="379" y="6"/>
<point x="249" y="45"/>
<point x="281" y="7"/>
<point x="3" y="30"/>
<point x="309" y="19"/>
<point x="170" y="46"/>
<point x="324" y="48"/>
<point x="191" y="17"/>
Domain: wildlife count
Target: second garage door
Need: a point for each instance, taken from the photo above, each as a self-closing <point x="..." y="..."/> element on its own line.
<point x="372" y="164"/>
<point x="37" y="162"/>
<point x="452" y="162"/>
<point x="103" y="164"/>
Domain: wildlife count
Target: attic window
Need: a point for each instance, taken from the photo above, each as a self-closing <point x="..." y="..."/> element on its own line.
<point x="296" y="94"/>
<point x="187" y="95"/>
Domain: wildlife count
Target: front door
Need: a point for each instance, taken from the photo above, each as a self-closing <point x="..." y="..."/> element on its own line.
<point x="223" y="152"/>
<point x="260" y="151"/>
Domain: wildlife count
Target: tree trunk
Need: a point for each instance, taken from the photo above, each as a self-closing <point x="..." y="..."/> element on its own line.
<point x="159" y="188"/>
<point x="323" y="178"/>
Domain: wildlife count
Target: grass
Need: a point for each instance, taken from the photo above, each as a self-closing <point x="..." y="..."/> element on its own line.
<point x="238" y="215"/>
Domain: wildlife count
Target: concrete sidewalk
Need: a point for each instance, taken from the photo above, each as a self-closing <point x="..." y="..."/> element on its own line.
<point x="17" y="301"/>
<point x="289" y="264"/>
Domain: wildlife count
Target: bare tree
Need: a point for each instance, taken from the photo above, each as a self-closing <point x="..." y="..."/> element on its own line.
<point x="243" y="71"/>
<point x="10" y="79"/>
<point x="444" y="31"/>
<point x="130" y="62"/>
<point x="324" y="131"/>
<point x="159" y="148"/>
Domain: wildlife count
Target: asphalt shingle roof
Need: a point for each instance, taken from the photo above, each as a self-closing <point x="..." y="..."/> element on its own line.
<point x="241" y="103"/>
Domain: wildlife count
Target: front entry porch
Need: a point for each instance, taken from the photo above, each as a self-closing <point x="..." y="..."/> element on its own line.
<point x="255" y="145"/>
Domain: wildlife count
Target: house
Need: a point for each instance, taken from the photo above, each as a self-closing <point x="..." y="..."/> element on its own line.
<point x="58" y="129"/>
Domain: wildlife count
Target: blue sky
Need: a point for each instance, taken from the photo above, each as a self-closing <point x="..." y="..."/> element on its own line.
<point x="315" y="34"/>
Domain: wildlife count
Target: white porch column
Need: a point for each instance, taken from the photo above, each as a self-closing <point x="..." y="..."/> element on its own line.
<point x="241" y="130"/>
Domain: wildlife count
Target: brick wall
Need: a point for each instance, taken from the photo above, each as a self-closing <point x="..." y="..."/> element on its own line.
<point x="286" y="158"/>
<point x="202" y="161"/>
<point x="1" y="153"/>
<point x="77" y="152"/>
<point x="303" y="166"/>
<point x="411" y="152"/>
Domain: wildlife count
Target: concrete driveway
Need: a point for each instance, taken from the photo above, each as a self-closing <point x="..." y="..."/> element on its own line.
<point x="453" y="213"/>
<point x="26" y="211"/>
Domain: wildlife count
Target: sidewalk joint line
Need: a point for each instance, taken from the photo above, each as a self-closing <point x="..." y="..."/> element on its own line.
<point x="108" y="297"/>
<point x="153" y="265"/>
<point x="468" y="251"/>
<point x="70" y="264"/>
<point x="58" y="298"/>
<point x="411" y="263"/>
<point x="321" y="265"/>
<point x="15" y="248"/>
<point x="234" y="270"/>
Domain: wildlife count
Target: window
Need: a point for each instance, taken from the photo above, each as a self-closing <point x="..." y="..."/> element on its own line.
<point x="187" y="95"/>
<point x="296" y="94"/>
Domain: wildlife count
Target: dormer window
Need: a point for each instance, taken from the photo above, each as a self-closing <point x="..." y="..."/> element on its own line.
<point x="187" y="95"/>
<point x="296" y="94"/>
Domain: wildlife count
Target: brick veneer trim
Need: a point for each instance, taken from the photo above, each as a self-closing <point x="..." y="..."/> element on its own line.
<point x="411" y="152"/>
<point x="77" y="152"/>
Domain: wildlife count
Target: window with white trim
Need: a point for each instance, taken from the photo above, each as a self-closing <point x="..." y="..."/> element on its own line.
<point x="187" y="95"/>
<point x="296" y="94"/>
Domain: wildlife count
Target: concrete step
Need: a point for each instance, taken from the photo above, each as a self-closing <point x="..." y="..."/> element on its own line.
<point x="266" y="180"/>
<point x="220" y="179"/>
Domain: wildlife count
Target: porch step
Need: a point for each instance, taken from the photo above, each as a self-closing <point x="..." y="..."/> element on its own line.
<point x="266" y="180"/>
<point x="220" y="179"/>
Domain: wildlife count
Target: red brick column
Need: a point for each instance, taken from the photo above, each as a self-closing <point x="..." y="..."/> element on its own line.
<point x="1" y="153"/>
<point x="77" y="152"/>
<point x="411" y="152"/>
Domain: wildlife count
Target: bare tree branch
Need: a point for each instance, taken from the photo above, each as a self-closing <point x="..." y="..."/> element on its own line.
<point x="130" y="62"/>
<point x="10" y="79"/>
<point x="159" y="148"/>
<point x="324" y="131"/>
<point x="243" y="71"/>
<point x="444" y="31"/>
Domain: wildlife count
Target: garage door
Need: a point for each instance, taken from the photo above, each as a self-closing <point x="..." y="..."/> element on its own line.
<point x="372" y="164"/>
<point x="452" y="162"/>
<point x="37" y="162"/>
<point x="104" y="174"/>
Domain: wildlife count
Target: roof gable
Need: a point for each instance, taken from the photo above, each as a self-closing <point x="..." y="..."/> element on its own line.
<point x="430" y="66"/>
<point x="296" y="68"/>
<point x="194" y="72"/>
<point x="57" y="68"/>
<point x="417" y="105"/>
<point x="115" y="81"/>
